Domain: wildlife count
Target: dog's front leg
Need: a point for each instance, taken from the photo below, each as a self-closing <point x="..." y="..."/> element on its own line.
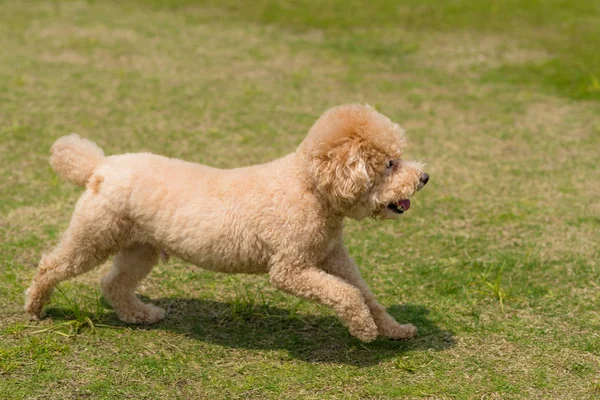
<point x="339" y="263"/>
<point x="312" y="283"/>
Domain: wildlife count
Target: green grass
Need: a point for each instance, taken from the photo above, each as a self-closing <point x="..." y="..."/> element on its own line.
<point x="496" y="262"/>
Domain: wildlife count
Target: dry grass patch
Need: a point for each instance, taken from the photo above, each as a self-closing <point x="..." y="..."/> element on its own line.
<point x="468" y="55"/>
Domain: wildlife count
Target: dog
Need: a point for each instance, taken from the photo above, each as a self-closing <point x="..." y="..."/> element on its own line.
<point x="283" y="218"/>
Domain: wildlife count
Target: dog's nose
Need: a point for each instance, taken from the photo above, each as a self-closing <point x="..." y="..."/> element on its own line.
<point x="424" y="178"/>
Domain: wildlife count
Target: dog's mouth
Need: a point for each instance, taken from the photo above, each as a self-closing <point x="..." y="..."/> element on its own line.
<point x="400" y="206"/>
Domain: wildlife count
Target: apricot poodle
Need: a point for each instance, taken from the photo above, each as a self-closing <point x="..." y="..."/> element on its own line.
<point x="283" y="218"/>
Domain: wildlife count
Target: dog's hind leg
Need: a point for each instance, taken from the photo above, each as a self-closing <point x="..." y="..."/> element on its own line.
<point x="92" y="236"/>
<point x="132" y="264"/>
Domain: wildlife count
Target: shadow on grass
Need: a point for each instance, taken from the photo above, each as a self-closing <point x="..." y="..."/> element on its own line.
<point x="311" y="338"/>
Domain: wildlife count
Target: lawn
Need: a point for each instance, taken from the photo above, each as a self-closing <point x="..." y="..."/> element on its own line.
<point x="497" y="261"/>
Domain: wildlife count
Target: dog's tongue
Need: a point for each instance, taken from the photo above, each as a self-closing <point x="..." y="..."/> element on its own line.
<point x="405" y="204"/>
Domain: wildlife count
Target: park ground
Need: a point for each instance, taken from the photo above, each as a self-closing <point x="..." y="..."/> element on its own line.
<point x="497" y="261"/>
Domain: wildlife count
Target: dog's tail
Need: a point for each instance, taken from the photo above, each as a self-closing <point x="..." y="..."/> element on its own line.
<point x="75" y="159"/>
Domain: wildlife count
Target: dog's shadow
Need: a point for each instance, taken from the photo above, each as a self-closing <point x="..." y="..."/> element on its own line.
<point x="310" y="338"/>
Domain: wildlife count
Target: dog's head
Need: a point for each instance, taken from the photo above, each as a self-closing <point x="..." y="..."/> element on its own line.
<point x="354" y="157"/>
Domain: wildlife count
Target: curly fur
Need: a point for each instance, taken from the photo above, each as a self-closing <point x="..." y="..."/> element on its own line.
<point x="283" y="218"/>
<point x="75" y="159"/>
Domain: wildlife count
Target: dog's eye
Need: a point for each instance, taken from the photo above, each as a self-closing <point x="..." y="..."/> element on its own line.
<point x="390" y="164"/>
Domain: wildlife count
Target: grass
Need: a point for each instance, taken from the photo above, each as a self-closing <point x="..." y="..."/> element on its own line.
<point x="496" y="262"/>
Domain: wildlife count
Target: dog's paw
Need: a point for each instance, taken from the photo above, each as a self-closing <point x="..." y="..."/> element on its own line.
<point x="145" y="314"/>
<point x="400" y="332"/>
<point x="33" y="306"/>
<point x="365" y="331"/>
<point x="35" y="316"/>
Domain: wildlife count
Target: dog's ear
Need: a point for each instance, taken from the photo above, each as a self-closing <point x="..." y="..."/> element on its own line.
<point x="341" y="173"/>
